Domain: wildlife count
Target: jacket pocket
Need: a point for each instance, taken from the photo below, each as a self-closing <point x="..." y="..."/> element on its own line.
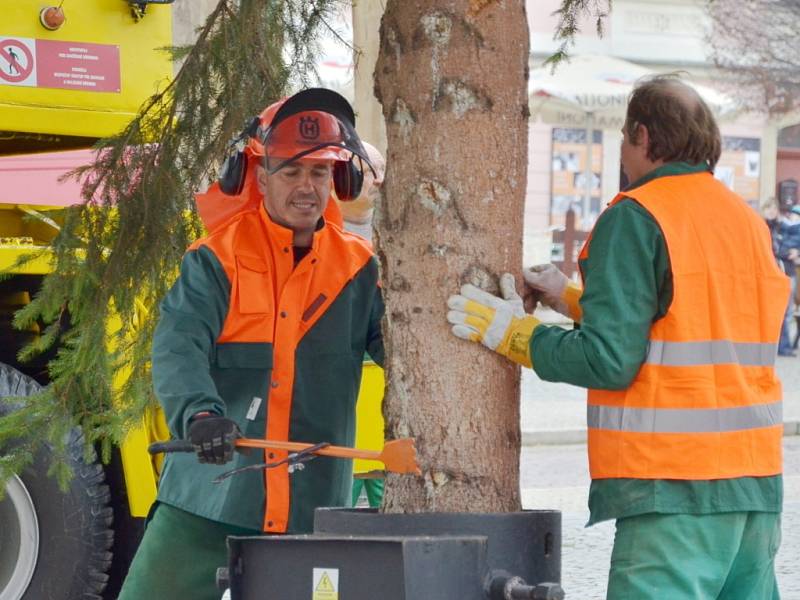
<point x="254" y="287"/>
<point x="244" y="355"/>
<point x="241" y="373"/>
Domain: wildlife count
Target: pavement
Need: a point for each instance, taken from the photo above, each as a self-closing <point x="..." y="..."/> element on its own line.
<point x="555" y="413"/>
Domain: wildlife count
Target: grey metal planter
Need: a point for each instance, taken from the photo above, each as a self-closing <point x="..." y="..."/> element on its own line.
<point x="359" y="554"/>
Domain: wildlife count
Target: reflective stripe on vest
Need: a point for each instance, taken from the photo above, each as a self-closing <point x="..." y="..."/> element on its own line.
<point x="686" y="420"/>
<point x="716" y="352"/>
<point x="706" y="402"/>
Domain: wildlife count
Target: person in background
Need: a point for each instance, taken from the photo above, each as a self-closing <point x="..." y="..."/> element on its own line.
<point x="789" y="251"/>
<point x="358" y="213"/>
<point x="784" y="257"/>
<point x="772" y="217"/>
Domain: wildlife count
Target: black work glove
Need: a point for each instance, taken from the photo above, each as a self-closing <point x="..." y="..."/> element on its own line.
<point x="213" y="438"/>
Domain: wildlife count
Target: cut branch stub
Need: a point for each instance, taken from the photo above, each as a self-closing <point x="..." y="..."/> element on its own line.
<point x="459" y="98"/>
<point x="434" y="196"/>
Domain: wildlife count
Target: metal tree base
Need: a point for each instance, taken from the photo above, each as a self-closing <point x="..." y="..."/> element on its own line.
<point x="357" y="554"/>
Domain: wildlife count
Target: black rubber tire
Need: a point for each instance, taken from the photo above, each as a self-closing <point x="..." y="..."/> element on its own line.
<point x="75" y="528"/>
<point x="128" y="530"/>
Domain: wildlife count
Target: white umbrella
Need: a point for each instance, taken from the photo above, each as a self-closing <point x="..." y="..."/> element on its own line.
<point x="592" y="91"/>
<point x="598" y="87"/>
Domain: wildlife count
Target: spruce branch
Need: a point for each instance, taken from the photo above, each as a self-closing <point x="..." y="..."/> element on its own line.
<point x="569" y="15"/>
<point x="118" y="252"/>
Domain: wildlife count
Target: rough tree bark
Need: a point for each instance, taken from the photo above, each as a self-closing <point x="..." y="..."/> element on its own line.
<point x="452" y="78"/>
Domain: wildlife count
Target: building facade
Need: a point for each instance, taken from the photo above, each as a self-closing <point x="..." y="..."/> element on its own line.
<point x="663" y="37"/>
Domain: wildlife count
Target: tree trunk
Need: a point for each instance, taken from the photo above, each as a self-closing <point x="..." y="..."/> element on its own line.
<point x="452" y="80"/>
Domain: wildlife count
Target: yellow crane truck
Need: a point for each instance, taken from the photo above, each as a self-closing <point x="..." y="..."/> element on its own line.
<point x="68" y="76"/>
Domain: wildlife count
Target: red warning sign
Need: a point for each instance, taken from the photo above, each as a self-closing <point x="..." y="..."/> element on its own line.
<point x="78" y="66"/>
<point x="16" y="61"/>
<point x="57" y="64"/>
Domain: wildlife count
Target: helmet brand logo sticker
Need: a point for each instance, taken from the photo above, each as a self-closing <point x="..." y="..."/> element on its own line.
<point x="309" y="128"/>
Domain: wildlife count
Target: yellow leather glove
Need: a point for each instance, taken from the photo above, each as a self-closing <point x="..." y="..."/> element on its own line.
<point x="556" y="289"/>
<point x="498" y="323"/>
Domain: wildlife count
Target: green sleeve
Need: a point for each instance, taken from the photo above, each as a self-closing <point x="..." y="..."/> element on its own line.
<point x="627" y="286"/>
<point x="192" y="316"/>
<point x="374" y="334"/>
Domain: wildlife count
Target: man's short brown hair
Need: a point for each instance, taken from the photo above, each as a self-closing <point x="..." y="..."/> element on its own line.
<point x="680" y="124"/>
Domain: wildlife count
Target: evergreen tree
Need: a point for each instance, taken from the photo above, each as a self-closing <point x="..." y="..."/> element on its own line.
<point x="451" y="77"/>
<point x="118" y="252"/>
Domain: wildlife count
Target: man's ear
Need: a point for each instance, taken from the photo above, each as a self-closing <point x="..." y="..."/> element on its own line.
<point x="642" y="135"/>
<point x="261" y="179"/>
<point x="644" y="141"/>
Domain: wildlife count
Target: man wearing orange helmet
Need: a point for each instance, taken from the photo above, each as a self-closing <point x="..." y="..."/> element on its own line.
<point x="262" y="336"/>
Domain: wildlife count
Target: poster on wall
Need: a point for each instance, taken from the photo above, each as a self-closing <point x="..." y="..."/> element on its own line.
<point x="568" y="177"/>
<point x="739" y="167"/>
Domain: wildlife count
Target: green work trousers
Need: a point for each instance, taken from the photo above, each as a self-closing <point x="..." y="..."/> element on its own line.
<point x="178" y="557"/>
<point x="373" y="486"/>
<point x="725" y="556"/>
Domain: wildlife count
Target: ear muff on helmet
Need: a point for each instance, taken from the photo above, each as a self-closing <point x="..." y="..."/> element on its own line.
<point x="232" y="174"/>
<point x="233" y="170"/>
<point x="347" y="180"/>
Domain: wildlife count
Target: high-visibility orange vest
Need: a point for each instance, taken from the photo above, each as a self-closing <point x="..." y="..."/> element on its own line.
<point x="706" y="402"/>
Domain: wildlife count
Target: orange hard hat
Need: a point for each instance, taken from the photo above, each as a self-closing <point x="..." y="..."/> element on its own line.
<point x="307" y="134"/>
<point x="313" y="123"/>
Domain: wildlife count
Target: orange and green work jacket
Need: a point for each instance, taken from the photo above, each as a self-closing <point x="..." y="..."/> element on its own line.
<point x="276" y="347"/>
<point x="682" y="307"/>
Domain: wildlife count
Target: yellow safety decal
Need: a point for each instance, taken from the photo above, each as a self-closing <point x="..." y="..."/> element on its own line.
<point x="325" y="584"/>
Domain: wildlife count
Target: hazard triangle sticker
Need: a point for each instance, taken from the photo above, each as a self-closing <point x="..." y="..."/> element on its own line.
<point x="325" y="584"/>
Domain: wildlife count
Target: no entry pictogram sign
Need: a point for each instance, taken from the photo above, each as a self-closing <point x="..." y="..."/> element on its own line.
<point x="16" y="62"/>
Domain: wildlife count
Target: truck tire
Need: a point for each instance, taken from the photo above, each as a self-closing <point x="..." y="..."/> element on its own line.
<point x="54" y="545"/>
<point x="128" y="530"/>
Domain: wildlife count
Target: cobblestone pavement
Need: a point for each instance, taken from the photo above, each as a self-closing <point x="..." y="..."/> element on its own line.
<point x="556" y="477"/>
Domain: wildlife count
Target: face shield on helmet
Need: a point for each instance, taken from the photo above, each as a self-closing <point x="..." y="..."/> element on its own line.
<point x="309" y="134"/>
<point x="315" y="123"/>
